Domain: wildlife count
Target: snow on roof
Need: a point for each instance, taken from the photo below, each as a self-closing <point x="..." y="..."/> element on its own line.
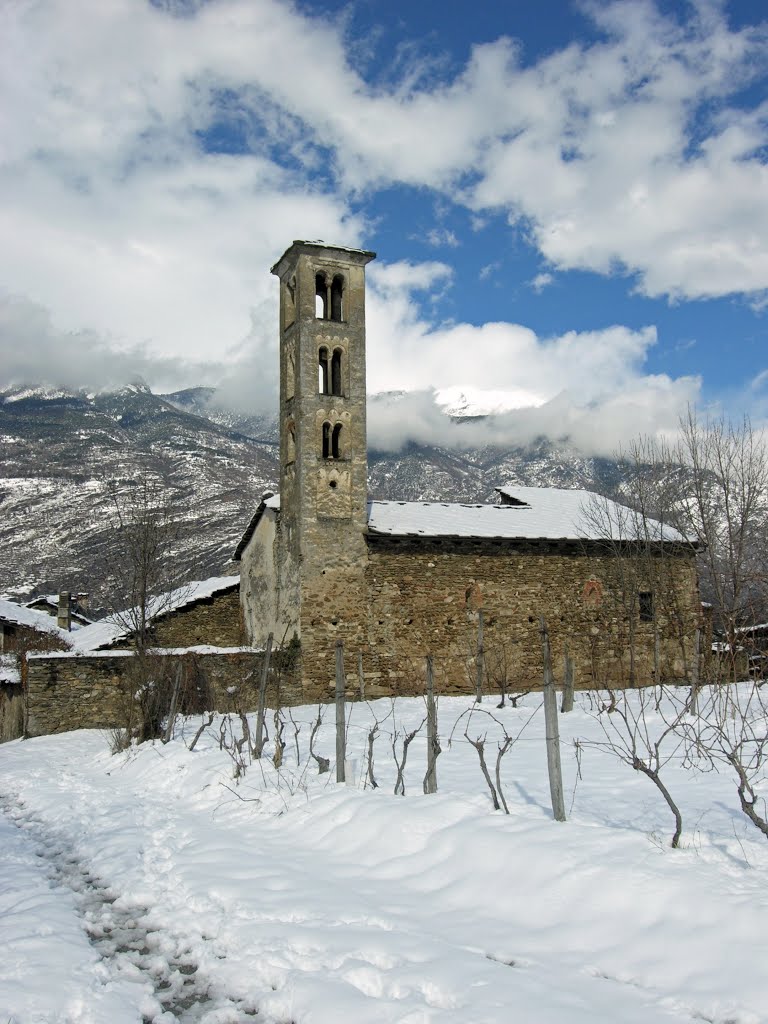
<point x="118" y="626"/>
<point x="52" y="601"/>
<point x="10" y="672"/>
<point x="268" y="500"/>
<point x="41" y="621"/>
<point x="532" y="513"/>
<point x="536" y="513"/>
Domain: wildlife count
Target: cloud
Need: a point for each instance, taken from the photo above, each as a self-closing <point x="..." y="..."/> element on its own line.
<point x="441" y="238"/>
<point x="600" y="427"/>
<point x="156" y="164"/>
<point x="588" y="387"/>
<point x="34" y="350"/>
<point x="541" y="281"/>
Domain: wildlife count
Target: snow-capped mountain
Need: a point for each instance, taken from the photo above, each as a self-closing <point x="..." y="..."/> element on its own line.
<point x="61" y="451"/>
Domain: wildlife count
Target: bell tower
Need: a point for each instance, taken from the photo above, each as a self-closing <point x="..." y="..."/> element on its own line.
<point x="323" y="456"/>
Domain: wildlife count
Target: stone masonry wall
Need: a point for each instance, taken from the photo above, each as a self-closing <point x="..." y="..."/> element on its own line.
<point x="90" y="692"/>
<point x="425" y="598"/>
<point x="216" y="620"/>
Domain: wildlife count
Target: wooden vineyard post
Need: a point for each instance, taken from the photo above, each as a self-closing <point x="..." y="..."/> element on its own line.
<point x="341" y="745"/>
<point x="480" y="657"/>
<point x="361" y="674"/>
<point x="258" y="745"/>
<point x="552" y="729"/>
<point x="433" y="744"/>
<point x="567" y="702"/>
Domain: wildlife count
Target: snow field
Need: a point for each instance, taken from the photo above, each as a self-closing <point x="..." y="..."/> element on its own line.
<point x="284" y="896"/>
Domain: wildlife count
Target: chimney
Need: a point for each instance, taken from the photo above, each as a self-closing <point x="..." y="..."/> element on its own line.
<point x="64" y="614"/>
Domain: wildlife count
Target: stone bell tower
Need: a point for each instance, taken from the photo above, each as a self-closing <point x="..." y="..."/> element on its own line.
<point x="323" y="458"/>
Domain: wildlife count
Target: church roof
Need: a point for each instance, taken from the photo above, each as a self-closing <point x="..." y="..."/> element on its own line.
<point x="528" y="513"/>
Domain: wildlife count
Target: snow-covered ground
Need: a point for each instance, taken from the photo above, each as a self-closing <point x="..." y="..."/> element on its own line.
<point x="155" y="885"/>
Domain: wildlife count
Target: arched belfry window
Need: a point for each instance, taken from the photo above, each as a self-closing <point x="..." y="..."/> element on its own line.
<point x="329" y="299"/>
<point x="290" y="454"/>
<point x="326" y="440"/>
<point x="331" y="441"/>
<point x="336" y="388"/>
<point x="337" y="294"/>
<point x="321" y="297"/>
<point x="323" y="380"/>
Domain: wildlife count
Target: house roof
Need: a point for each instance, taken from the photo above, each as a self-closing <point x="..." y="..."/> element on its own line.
<point x="16" y="615"/>
<point x="52" y="601"/>
<point x="529" y="513"/>
<point x="268" y="500"/>
<point x="117" y="627"/>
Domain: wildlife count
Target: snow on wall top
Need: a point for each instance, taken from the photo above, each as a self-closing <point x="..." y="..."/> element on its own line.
<point x="118" y="626"/>
<point x="536" y="513"/>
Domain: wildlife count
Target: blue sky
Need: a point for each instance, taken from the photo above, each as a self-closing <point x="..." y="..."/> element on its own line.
<point x="569" y="200"/>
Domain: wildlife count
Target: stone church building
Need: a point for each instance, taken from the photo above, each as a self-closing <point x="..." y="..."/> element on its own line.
<point x="466" y="583"/>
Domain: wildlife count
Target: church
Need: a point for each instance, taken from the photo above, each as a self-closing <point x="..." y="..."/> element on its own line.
<point x="467" y="584"/>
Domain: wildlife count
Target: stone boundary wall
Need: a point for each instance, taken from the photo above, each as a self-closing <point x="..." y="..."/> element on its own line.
<point x="67" y="691"/>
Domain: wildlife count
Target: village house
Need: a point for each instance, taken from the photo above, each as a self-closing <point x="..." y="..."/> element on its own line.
<point x="22" y="630"/>
<point x="70" y="610"/>
<point x="83" y="686"/>
<point x="464" y="583"/>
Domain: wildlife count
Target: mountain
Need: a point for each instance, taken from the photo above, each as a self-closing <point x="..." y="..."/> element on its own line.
<point x="62" y="453"/>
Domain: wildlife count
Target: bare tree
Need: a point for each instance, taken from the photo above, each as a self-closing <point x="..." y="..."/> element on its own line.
<point x="645" y="735"/>
<point x="140" y="564"/>
<point x="141" y="575"/>
<point x="731" y="730"/>
<point x="725" y="505"/>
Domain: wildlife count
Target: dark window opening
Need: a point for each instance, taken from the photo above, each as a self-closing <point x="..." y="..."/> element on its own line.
<point x="333" y="484"/>
<point x="645" y="599"/>
<point x="337" y="291"/>
<point x="336" y="372"/>
<point x="326" y="440"/>
<point x="322" y="378"/>
<point x="336" y="442"/>
<point x="321" y="297"/>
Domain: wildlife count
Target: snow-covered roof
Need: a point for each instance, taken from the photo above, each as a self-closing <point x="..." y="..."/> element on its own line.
<point x="530" y="513"/>
<point x="10" y="672"/>
<point x="116" y="627"/>
<point x="16" y="615"/>
<point x="52" y="601"/>
<point x="268" y="500"/>
<point x="533" y="513"/>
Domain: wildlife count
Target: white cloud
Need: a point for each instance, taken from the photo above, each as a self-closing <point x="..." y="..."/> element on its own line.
<point x="589" y="386"/>
<point x="115" y="219"/>
<point x="541" y="281"/>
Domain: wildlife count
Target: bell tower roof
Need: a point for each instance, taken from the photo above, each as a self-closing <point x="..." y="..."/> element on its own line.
<point x="323" y="249"/>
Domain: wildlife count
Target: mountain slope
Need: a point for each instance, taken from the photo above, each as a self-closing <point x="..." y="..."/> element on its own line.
<point x="61" y="453"/>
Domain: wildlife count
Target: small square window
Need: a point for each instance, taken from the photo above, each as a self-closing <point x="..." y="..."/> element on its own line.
<point x="645" y="599"/>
